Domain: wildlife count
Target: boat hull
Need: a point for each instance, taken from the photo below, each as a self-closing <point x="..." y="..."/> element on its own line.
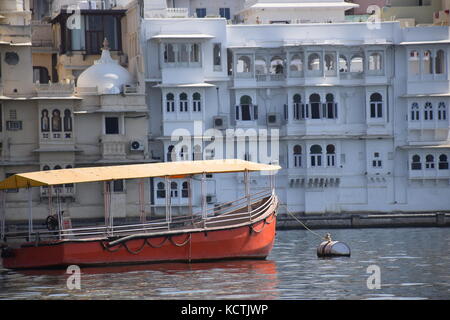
<point x="254" y="240"/>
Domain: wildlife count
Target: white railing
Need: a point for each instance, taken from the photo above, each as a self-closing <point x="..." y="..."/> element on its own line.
<point x="227" y="214"/>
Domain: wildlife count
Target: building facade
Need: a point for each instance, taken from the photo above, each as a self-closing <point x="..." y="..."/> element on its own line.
<point x="355" y="113"/>
<point x="361" y="110"/>
<point x="71" y="97"/>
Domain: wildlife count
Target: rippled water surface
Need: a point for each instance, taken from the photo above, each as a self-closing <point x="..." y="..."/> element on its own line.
<point x="414" y="264"/>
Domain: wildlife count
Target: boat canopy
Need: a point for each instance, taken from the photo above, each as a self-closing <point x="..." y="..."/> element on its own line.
<point x="134" y="171"/>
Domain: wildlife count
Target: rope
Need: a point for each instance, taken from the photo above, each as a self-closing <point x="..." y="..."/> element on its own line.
<point x="188" y="238"/>
<point x="262" y="228"/>
<point x="304" y="225"/>
<point x="134" y="252"/>
<point x="147" y="240"/>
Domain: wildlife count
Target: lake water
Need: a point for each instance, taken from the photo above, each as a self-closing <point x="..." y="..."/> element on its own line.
<point x="414" y="263"/>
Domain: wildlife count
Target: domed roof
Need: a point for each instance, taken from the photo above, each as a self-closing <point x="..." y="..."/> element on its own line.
<point x="106" y="74"/>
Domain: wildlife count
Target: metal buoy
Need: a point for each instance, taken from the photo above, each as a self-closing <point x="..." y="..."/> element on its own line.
<point x="330" y="248"/>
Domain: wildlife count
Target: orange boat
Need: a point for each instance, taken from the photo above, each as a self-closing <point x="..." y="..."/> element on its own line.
<point x="244" y="228"/>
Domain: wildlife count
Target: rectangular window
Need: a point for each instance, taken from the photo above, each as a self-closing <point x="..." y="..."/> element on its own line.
<point x="118" y="186"/>
<point x="225" y="13"/>
<point x="201" y="12"/>
<point x="111" y="125"/>
<point x="246" y="115"/>
<point x="217" y="54"/>
<point x="13" y="125"/>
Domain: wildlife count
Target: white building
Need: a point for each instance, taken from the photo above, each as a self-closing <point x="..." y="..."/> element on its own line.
<point x="362" y="109"/>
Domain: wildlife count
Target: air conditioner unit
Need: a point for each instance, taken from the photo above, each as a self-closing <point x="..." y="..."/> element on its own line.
<point x="211" y="198"/>
<point x="220" y="122"/>
<point x="273" y="119"/>
<point x="136" y="145"/>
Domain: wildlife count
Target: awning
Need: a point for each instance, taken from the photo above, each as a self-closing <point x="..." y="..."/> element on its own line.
<point x="134" y="171"/>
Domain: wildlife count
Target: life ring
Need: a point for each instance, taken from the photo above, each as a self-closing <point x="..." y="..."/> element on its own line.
<point x="52" y="223"/>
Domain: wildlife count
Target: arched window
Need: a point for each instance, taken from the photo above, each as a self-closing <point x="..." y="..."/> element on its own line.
<point x="260" y="66"/>
<point x="296" y="64"/>
<point x="316" y="155"/>
<point x="185" y="189"/>
<point x="196" y="102"/>
<point x="375" y="61"/>
<point x="330" y="62"/>
<point x="170" y="102"/>
<point x="314" y="62"/>
<point x="246" y="111"/>
<point x="416" y="164"/>
<point x="429" y="161"/>
<point x="45" y="121"/>
<point x="443" y="162"/>
<point x="184" y="153"/>
<point x="45" y="168"/>
<point x="331" y="156"/>
<point x="56" y="120"/>
<point x="414" y="63"/>
<point x="57" y="167"/>
<point x="331" y="107"/>
<point x="376" y="105"/>
<point x="299" y="107"/>
<point x="442" y="111"/>
<point x="297" y="156"/>
<point x="276" y="65"/>
<point x="314" y="101"/>
<point x="197" y="154"/>
<point x="243" y="65"/>
<point x="170" y="153"/>
<point x="343" y="63"/>
<point x="428" y="111"/>
<point x="440" y="62"/>
<point x="67" y="120"/>
<point x="183" y="102"/>
<point x="161" y="190"/>
<point x="427" y="62"/>
<point x="357" y="63"/>
<point x="415" y="114"/>
<point x="173" y="189"/>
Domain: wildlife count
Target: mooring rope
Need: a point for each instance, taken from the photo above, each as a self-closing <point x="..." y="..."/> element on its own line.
<point x="304" y="225"/>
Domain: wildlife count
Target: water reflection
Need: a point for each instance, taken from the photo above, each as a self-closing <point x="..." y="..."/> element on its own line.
<point x="414" y="264"/>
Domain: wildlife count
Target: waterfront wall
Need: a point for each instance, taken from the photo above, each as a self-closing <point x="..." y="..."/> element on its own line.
<point x="437" y="219"/>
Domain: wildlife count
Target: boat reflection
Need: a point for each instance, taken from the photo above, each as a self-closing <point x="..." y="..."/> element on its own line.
<point x="226" y="278"/>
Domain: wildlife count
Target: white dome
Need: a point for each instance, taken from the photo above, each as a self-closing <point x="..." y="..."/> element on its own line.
<point x="106" y="74"/>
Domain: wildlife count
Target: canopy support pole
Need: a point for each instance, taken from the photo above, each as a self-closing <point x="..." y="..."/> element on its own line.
<point x="168" y="201"/>
<point x="141" y="200"/>
<point x="247" y="191"/>
<point x="30" y="213"/>
<point x="203" y="189"/>
<point x="107" y="206"/>
<point x="190" y="196"/>
<point x="3" y="214"/>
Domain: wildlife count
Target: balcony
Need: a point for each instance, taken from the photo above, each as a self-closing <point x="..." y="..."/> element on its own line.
<point x="41" y="37"/>
<point x="54" y="89"/>
<point x="114" y="146"/>
<point x="177" y="12"/>
<point x="66" y="190"/>
<point x="15" y="35"/>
